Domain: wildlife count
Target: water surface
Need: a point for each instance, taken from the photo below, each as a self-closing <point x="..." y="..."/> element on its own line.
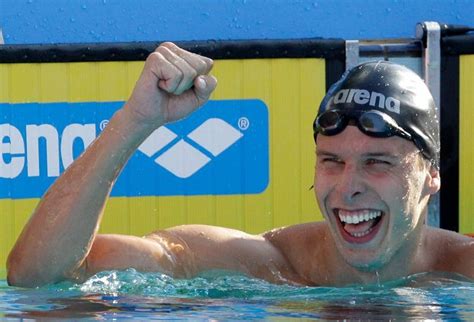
<point x="152" y="296"/>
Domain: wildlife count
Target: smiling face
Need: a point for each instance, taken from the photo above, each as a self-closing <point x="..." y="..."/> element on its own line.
<point x="373" y="193"/>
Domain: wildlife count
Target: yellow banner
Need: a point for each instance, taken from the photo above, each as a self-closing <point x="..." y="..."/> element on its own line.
<point x="290" y="88"/>
<point x="466" y="147"/>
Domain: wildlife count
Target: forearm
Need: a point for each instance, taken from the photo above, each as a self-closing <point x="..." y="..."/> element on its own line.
<point x="56" y="241"/>
<point x="59" y="234"/>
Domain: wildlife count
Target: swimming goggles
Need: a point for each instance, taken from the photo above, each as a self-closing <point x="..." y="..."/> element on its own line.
<point x="373" y="123"/>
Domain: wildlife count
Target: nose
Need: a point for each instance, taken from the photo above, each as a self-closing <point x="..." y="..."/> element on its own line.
<point x="350" y="184"/>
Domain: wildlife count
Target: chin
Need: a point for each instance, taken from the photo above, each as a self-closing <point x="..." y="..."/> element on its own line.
<point x="367" y="266"/>
<point x="364" y="260"/>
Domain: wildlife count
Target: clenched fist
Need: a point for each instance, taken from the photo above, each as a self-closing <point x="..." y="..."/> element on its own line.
<point x="173" y="83"/>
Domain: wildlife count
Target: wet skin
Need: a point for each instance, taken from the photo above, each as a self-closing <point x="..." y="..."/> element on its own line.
<point x="357" y="175"/>
<point x="372" y="192"/>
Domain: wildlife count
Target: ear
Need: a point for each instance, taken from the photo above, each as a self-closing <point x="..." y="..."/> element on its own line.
<point x="433" y="181"/>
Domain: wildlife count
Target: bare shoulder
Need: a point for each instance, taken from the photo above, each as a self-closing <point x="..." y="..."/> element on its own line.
<point x="450" y="251"/>
<point x="296" y="233"/>
<point x="447" y="241"/>
<point x="299" y="239"/>
<point x="306" y="247"/>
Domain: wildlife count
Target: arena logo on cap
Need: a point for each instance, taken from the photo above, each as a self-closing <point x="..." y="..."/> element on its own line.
<point x="220" y="149"/>
<point x="363" y="97"/>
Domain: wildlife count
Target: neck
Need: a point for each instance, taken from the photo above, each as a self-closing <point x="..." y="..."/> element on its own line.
<point x="406" y="261"/>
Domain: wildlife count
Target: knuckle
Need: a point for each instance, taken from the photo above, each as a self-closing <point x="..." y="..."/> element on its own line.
<point x="162" y="50"/>
<point x="169" y="45"/>
<point x="166" y="44"/>
<point x="154" y="57"/>
<point x="201" y="66"/>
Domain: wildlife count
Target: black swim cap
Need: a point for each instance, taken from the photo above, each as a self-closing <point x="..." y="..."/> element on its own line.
<point x="394" y="90"/>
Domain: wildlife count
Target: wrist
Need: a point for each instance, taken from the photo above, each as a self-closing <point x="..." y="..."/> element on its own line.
<point x="138" y="120"/>
<point x="129" y="128"/>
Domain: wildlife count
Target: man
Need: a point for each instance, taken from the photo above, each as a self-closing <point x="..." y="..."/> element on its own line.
<point x="377" y="166"/>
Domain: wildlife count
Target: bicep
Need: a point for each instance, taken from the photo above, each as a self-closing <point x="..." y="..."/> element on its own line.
<point x="118" y="252"/>
<point x="186" y="251"/>
<point x="228" y="249"/>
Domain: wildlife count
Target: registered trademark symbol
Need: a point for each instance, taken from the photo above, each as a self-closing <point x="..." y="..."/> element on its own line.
<point x="103" y="124"/>
<point x="244" y="123"/>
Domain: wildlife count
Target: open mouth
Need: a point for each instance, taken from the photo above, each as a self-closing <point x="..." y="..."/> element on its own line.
<point x="359" y="226"/>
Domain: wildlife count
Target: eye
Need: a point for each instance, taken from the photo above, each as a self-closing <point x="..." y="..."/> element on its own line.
<point x="377" y="161"/>
<point x="331" y="160"/>
<point x="329" y="163"/>
<point x="376" y="164"/>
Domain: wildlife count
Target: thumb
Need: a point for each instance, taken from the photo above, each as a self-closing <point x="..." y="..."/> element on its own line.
<point x="204" y="85"/>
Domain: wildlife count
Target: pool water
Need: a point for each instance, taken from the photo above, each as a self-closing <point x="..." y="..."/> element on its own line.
<point x="132" y="295"/>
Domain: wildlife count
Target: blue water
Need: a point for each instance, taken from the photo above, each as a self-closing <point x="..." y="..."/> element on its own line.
<point x="150" y="296"/>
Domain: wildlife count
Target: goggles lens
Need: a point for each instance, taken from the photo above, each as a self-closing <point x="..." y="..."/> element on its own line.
<point x="373" y="123"/>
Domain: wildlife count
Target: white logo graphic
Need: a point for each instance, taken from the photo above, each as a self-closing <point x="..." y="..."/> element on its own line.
<point x="17" y="151"/>
<point x="363" y="96"/>
<point x="182" y="159"/>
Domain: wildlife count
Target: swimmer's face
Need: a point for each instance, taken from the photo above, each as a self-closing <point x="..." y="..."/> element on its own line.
<point x="373" y="192"/>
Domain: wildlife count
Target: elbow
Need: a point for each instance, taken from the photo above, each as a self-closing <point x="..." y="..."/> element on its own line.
<point x="19" y="279"/>
<point x="15" y="276"/>
<point x="31" y="273"/>
<point x="14" y="279"/>
<point x="22" y="275"/>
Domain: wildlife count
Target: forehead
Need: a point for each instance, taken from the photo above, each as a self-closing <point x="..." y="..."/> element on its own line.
<point x="353" y="142"/>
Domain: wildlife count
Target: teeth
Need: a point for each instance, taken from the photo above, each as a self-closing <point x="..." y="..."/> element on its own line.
<point x="362" y="234"/>
<point x="355" y="217"/>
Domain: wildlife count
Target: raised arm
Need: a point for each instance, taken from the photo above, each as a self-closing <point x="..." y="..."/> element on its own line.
<point x="58" y="237"/>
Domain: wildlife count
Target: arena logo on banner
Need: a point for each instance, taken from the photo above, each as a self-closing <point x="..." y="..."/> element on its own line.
<point x="220" y="149"/>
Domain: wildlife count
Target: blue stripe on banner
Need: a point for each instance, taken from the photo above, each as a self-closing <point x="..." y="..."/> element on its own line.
<point x="220" y="149"/>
